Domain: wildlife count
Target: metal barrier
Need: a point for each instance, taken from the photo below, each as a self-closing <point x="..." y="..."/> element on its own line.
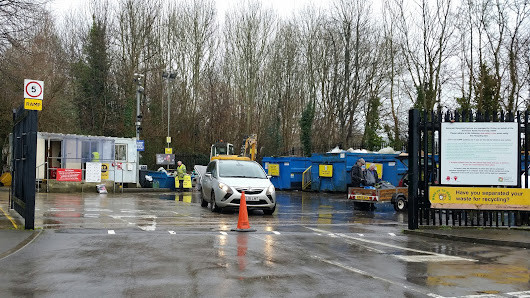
<point x="48" y="170"/>
<point x="306" y="178"/>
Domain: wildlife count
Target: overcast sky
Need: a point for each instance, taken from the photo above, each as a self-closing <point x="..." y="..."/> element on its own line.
<point x="284" y="8"/>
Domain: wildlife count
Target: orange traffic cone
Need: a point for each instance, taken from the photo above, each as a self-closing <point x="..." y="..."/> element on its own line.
<point x="242" y="223"/>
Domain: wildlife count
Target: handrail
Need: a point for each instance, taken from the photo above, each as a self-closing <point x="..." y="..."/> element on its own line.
<point x="45" y="176"/>
<point x="306" y="178"/>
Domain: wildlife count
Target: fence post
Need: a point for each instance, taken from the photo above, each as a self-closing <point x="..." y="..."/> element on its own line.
<point x="413" y="172"/>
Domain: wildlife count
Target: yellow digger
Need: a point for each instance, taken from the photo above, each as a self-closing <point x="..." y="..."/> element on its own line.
<point x="224" y="150"/>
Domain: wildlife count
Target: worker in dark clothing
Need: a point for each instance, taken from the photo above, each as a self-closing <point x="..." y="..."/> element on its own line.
<point x="357" y="173"/>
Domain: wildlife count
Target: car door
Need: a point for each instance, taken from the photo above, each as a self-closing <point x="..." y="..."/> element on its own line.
<point x="207" y="180"/>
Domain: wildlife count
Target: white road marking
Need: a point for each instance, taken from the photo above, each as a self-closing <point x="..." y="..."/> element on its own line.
<point x="111" y="232"/>
<point x="172" y="232"/>
<point x="523" y="294"/>
<point x="392" y="234"/>
<point x="332" y="235"/>
<point x="429" y="258"/>
<point x="361" y="272"/>
<point x="276" y="232"/>
<point x="352" y="269"/>
<point x="91" y="215"/>
<point x="224" y="233"/>
<point x="361" y="235"/>
<point x="150" y="227"/>
<point x="133" y="216"/>
<point x="97" y="210"/>
<point x="481" y="296"/>
<point x="395" y="246"/>
<point x="61" y="210"/>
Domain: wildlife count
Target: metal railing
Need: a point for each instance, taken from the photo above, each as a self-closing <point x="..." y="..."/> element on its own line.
<point x="306" y="178"/>
<point x="47" y="171"/>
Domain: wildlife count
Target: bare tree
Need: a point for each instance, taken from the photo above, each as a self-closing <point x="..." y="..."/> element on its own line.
<point x="426" y="47"/>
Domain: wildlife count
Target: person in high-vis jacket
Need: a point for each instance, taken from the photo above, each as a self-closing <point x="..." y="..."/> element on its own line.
<point x="95" y="156"/>
<point x="181" y="172"/>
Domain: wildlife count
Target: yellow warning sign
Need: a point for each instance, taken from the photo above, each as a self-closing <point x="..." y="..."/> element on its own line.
<point x="481" y="198"/>
<point x="186" y="182"/>
<point x="169" y="150"/>
<point x="325" y="170"/>
<point x="274" y="169"/>
<point x="104" y="171"/>
<point x="33" y="104"/>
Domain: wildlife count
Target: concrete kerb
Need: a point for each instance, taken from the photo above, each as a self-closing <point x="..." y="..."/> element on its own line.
<point x="20" y="245"/>
<point x="439" y="234"/>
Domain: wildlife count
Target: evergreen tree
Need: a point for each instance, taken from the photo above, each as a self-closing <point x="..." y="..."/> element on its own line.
<point x="91" y="74"/>
<point x="371" y="138"/>
<point x="486" y="100"/>
<point x="306" y="124"/>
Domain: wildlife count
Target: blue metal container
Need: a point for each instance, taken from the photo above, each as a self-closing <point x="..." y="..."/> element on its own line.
<point x="290" y="171"/>
<point x="164" y="180"/>
<point x="393" y="169"/>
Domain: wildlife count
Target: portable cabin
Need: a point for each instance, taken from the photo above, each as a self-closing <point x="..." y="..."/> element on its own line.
<point x="68" y="151"/>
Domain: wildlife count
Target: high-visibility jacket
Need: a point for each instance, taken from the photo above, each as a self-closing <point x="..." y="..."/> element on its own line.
<point x="181" y="171"/>
<point x="95" y="156"/>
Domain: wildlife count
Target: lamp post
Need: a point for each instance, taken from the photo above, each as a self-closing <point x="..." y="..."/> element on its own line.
<point x="138" y="123"/>
<point x="168" y="75"/>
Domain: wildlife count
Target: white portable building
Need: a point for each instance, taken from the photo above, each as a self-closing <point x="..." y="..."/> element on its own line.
<point x="68" y="151"/>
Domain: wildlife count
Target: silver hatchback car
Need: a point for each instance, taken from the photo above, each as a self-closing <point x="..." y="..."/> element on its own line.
<point x="225" y="179"/>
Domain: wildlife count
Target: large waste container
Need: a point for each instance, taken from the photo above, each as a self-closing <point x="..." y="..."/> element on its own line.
<point x="331" y="171"/>
<point x="286" y="171"/>
<point x="162" y="179"/>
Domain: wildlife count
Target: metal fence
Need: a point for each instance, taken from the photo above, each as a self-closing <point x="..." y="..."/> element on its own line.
<point x="24" y="158"/>
<point x="116" y="175"/>
<point x="424" y="149"/>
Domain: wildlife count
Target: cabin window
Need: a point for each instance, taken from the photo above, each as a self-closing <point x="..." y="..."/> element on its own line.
<point x="120" y="153"/>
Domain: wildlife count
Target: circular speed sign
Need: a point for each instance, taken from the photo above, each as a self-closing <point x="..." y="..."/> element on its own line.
<point x="33" y="89"/>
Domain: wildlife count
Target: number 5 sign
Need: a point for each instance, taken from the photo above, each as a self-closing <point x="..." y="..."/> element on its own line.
<point x="33" y="94"/>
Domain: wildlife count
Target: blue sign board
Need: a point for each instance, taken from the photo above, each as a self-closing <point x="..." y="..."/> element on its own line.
<point x="140" y="145"/>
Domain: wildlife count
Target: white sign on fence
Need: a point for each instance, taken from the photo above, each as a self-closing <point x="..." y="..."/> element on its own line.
<point x="93" y="172"/>
<point x="479" y="153"/>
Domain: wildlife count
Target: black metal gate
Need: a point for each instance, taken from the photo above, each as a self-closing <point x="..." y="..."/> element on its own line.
<point x="424" y="155"/>
<point x="24" y="159"/>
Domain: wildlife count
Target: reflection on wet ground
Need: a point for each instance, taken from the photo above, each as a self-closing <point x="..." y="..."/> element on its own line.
<point x="121" y="210"/>
<point x="313" y="245"/>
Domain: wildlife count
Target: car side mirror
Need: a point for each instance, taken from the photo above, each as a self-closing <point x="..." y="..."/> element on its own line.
<point x="209" y="175"/>
<point x="269" y="176"/>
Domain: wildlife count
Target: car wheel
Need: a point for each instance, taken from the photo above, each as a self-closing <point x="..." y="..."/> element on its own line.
<point x="269" y="211"/>
<point x="213" y="204"/>
<point x="400" y="204"/>
<point x="204" y="203"/>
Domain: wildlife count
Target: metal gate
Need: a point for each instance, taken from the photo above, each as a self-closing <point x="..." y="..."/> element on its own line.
<point x="24" y="158"/>
<point x="424" y="158"/>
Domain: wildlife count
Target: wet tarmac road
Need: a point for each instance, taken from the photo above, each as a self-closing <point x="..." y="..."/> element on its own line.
<point x="314" y="245"/>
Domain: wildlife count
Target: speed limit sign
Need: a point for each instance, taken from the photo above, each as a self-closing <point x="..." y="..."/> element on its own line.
<point x="33" y="89"/>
